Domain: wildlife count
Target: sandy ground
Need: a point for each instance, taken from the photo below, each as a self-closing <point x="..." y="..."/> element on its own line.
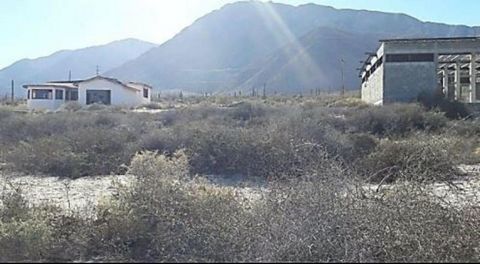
<point x="459" y="193"/>
<point x="80" y="195"/>
<point x="152" y="111"/>
<point x="83" y="195"/>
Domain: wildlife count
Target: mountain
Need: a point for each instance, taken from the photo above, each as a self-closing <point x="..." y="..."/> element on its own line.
<point x="82" y="63"/>
<point x="250" y="43"/>
<point x="314" y="61"/>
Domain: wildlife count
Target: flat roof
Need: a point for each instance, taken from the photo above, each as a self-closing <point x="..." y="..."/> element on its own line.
<point x="74" y="84"/>
<point x="430" y="39"/>
<point x="52" y="85"/>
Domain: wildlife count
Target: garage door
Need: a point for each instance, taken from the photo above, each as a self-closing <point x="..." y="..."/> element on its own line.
<point x="99" y="97"/>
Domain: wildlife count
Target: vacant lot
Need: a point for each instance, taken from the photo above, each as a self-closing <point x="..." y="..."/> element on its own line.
<point x="240" y="179"/>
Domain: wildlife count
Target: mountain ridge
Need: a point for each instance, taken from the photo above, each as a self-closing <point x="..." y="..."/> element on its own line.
<point x="223" y="50"/>
<point x="81" y="62"/>
<point x="245" y="44"/>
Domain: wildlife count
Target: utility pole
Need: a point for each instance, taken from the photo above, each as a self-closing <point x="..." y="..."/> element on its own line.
<point x="264" y="91"/>
<point x="69" y="75"/>
<point x="343" y="77"/>
<point x="13" y="91"/>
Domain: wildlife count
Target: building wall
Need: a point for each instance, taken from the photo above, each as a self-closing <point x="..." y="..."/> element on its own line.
<point x="45" y="104"/>
<point x="372" y="90"/>
<point x="140" y="88"/>
<point x="404" y="81"/>
<point x="120" y="95"/>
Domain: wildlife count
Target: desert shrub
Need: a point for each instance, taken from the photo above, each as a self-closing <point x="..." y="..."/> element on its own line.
<point x="104" y="150"/>
<point x="26" y="240"/>
<point x="70" y="107"/>
<point x="168" y="118"/>
<point x="152" y="105"/>
<point x="464" y="128"/>
<point x="167" y="140"/>
<point x="13" y="206"/>
<point x="247" y="111"/>
<point x="81" y="152"/>
<point x="419" y="158"/>
<point x="95" y="107"/>
<point x="350" y="102"/>
<point x="327" y="216"/>
<point x="46" y="156"/>
<point x="165" y="218"/>
<point x="22" y="236"/>
<point x="259" y="152"/>
<point x="4" y="113"/>
<point x="452" y="109"/>
<point x="396" y="119"/>
<point x="40" y="234"/>
<point x="326" y="221"/>
<point x="269" y="150"/>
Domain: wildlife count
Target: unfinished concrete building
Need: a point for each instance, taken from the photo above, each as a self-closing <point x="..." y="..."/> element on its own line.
<point x="401" y="69"/>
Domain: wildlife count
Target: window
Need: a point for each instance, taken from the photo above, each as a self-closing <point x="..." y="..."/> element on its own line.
<point x="43" y="94"/>
<point x="58" y="94"/>
<point x="379" y="62"/>
<point x="420" y="57"/>
<point x="71" y="95"/>
<point x="28" y="94"/>
<point x="145" y="92"/>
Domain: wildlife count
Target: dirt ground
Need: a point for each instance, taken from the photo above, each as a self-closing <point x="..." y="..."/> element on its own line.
<point x="82" y="195"/>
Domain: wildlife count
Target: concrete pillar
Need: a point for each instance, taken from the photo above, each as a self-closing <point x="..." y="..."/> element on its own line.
<point x="458" y="86"/>
<point x="435" y="80"/>
<point x="445" y="81"/>
<point x="473" y="78"/>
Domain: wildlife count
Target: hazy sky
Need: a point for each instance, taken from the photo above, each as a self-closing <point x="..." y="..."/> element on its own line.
<point x="35" y="28"/>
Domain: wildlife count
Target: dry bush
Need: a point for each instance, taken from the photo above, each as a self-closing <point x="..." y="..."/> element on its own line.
<point x="164" y="218"/>
<point x="70" y="107"/>
<point x="152" y="105"/>
<point x="330" y="221"/>
<point x="395" y="119"/>
<point x="249" y="138"/>
<point x="323" y="216"/>
<point x="420" y="158"/>
<point x="70" y="144"/>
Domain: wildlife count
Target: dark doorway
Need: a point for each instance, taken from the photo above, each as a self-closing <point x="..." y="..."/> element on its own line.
<point x="99" y="97"/>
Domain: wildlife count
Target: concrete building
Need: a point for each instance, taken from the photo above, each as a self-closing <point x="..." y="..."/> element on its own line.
<point x="99" y="89"/>
<point x="401" y="69"/>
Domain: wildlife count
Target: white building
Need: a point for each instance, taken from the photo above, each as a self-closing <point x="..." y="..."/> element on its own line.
<point x="99" y="89"/>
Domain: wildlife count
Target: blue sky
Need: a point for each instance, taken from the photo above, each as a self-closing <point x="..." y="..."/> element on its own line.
<point x="35" y="28"/>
